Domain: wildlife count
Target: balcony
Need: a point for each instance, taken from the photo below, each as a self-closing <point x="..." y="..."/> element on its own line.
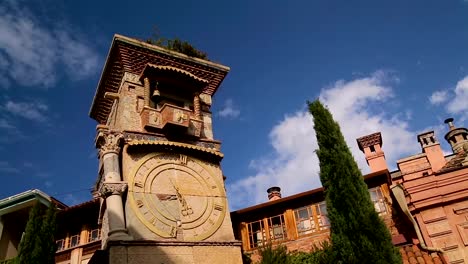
<point x="171" y="115"/>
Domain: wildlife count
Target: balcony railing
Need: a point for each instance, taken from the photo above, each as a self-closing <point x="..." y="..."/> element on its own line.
<point x="171" y="115"/>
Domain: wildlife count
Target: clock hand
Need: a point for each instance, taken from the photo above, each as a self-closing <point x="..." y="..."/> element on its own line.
<point x="186" y="209"/>
<point x="163" y="198"/>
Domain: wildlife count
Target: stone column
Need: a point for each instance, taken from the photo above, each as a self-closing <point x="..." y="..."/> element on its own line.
<point x="112" y="186"/>
<point x="147" y="91"/>
<point x="196" y="106"/>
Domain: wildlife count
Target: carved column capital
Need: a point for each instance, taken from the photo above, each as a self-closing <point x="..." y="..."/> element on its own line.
<point x="108" y="142"/>
<point x="112" y="188"/>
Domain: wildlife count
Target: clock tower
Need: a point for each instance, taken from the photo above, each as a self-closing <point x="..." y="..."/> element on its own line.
<point x="160" y="182"/>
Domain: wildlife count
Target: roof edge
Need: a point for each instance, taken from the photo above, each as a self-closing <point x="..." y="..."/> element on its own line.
<point x="135" y="42"/>
<point x="100" y="77"/>
<point x="170" y="52"/>
<point x="305" y="193"/>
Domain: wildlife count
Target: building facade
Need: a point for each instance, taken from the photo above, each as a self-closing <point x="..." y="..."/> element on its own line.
<point x="160" y="195"/>
<point x="160" y="183"/>
<point x="423" y="203"/>
<point x="14" y="214"/>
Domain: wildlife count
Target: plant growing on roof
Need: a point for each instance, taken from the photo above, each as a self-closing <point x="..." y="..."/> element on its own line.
<point x="177" y="45"/>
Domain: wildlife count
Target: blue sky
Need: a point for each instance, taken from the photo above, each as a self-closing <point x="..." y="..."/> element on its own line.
<point x="399" y="67"/>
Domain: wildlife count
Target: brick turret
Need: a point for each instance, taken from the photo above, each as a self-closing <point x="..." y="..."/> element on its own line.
<point x="371" y="146"/>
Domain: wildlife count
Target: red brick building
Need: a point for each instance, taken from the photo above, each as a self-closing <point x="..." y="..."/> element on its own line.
<point x="424" y="204"/>
<point x="151" y="100"/>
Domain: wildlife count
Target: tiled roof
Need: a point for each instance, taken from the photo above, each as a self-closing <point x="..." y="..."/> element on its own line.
<point x="89" y="203"/>
<point x="176" y="144"/>
<point x="455" y="163"/>
<point x="131" y="55"/>
<point x="174" y="69"/>
<point x="414" y="254"/>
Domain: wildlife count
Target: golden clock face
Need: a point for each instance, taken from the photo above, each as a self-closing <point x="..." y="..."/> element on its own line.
<point x="176" y="196"/>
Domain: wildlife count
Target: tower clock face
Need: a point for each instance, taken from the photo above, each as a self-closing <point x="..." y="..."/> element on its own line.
<point x="176" y="196"/>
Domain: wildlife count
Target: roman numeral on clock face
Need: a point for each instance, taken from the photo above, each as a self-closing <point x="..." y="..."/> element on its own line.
<point x="183" y="159"/>
<point x="173" y="232"/>
<point x="218" y="207"/>
<point x="139" y="184"/>
<point x="139" y="203"/>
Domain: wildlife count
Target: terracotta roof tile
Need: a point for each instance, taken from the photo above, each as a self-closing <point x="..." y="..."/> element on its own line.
<point x="454" y="163"/>
<point x="82" y="205"/>
<point x="414" y="254"/>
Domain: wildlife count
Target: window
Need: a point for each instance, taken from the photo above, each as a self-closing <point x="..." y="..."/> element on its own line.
<point x="74" y="241"/>
<point x="277" y="228"/>
<point x="94" y="235"/>
<point x="378" y="200"/>
<point x="305" y="221"/>
<point x="312" y="218"/>
<point x="256" y="234"/>
<point x="60" y="244"/>
<point x="322" y="216"/>
<point x="267" y="230"/>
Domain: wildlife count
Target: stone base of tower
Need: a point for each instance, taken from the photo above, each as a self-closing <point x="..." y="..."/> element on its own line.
<point x="157" y="252"/>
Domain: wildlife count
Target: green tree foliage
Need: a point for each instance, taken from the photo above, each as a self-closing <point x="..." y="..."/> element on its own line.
<point x="28" y="241"/>
<point x="176" y="45"/>
<point x="321" y="254"/>
<point x="45" y="246"/>
<point x="38" y="243"/>
<point x="358" y="235"/>
<point x="9" y="261"/>
<point x="246" y="258"/>
<point x="274" y="255"/>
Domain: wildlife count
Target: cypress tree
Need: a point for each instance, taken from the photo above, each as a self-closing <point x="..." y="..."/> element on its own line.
<point x="28" y="241"/>
<point x="45" y="247"/>
<point x="38" y="242"/>
<point x="358" y="234"/>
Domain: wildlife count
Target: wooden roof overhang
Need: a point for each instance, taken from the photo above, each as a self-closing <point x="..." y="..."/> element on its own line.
<point x="297" y="200"/>
<point x="133" y="56"/>
<point x="212" y="152"/>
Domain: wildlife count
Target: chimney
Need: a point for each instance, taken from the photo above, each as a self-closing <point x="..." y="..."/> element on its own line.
<point x="456" y="137"/>
<point x="371" y="146"/>
<point x="431" y="146"/>
<point x="274" y="193"/>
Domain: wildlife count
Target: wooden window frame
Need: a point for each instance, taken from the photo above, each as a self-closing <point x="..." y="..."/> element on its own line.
<point x="70" y="241"/>
<point x="379" y="199"/>
<point x="318" y="220"/>
<point x="62" y="242"/>
<point x="90" y="235"/>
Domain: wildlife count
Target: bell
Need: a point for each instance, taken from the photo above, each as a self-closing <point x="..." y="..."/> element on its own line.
<point x="155" y="94"/>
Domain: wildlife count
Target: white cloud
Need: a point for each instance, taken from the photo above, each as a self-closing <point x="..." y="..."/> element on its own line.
<point x="455" y="99"/>
<point x="71" y="199"/>
<point x="438" y="97"/>
<point x="294" y="166"/>
<point x="34" y="111"/>
<point x="9" y="132"/>
<point x="6" y="167"/>
<point x="48" y="184"/>
<point x="27" y="164"/>
<point x="43" y="174"/>
<point x="5" y="124"/>
<point x="458" y="105"/>
<point x="32" y="52"/>
<point x="229" y="110"/>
